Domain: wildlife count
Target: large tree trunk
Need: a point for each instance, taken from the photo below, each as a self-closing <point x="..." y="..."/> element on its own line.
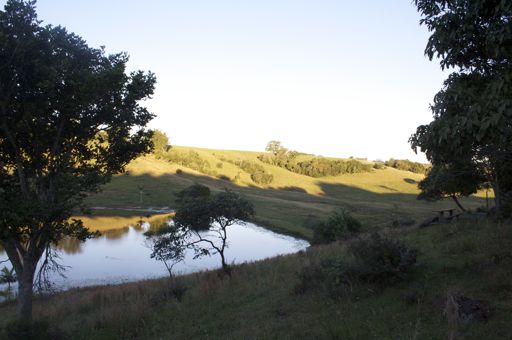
<point x="25" y="292"/>
<point x="25" y="265"/>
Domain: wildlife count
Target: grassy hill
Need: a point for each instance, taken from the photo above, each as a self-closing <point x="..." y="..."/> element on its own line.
<point x="259" y="300"/>
<point x="290" y="203"/>
<point x="467" y="262"/>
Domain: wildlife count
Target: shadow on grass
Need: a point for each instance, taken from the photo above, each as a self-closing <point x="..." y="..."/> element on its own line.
<point x="289" y="210"/>
<point x="284" y="209"/>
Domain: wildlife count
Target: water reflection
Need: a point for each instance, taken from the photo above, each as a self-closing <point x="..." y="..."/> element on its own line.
<point x="121" y="255"/>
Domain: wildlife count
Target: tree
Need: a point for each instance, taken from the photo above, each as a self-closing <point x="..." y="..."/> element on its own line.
<point x="168" y="245"/>
<point x="192" y="193"/>
<point x="160" y="142"/>
<point x="70" y="118"/>
<point x="274" y="147"/>
<point x="201" y="224"/>
<point x="7" y="276"/>
<point x="473" y="111"/>
<point x="450" y="180"/>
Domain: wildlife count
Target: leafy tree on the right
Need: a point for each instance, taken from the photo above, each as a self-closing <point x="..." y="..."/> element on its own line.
<point x="473" y="111"/>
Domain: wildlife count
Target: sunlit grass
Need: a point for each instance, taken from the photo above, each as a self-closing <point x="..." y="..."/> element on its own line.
<point x="377" y="198"/>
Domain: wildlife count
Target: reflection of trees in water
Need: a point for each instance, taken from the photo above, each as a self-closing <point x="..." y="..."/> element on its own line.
<point x="70" y="245"/>
<point x="115" y="234"/>
<point x="156" y="225"/>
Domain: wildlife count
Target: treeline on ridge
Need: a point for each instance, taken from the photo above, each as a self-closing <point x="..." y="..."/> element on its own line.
<point x="318" y="166"/>
<point x="407" y="165"/>
<point x="314" y="167"/>
<point x="193" y="160"/>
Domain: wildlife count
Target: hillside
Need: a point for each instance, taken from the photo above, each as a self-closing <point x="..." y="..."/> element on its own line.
<point x="260" y="300"/>
<point x="290" y="203"/>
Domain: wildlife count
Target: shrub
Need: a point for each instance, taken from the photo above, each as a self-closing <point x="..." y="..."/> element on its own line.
<point x="179" y="171"/>
<point x="190" y="159"/>
<point x="310" y="278"/>
<point x="256" y="171"/>
<point x="381" y="260"/>
<point x="407" y="165"/>
<point x="339" y="225"/>
<point x="378" y="165"/>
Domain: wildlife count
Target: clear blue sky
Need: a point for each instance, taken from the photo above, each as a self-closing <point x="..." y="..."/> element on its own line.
<point x="338" y="78"/>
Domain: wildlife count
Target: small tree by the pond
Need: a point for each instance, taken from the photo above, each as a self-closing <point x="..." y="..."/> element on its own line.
<point x="168" y="245"/>
<point x="201" y="224"/>
<point x="7" y="276"/>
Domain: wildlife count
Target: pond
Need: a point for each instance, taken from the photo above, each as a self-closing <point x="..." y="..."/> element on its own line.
<point x="122" y="255"/>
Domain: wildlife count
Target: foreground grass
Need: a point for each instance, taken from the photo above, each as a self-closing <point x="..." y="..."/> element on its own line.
<point x="258" y="302"/>
<point x="291" y="204"/>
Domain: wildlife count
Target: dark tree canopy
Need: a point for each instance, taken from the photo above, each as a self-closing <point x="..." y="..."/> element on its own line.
<point x="450" y="180"/>
<point x="473" y="112"/>
<point x="70" y="118"/>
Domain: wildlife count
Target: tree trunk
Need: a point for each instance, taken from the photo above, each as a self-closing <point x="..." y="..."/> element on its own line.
<point x="224" y="264"/>
<point x="25" y="286"/>
<point x="458" y="203"/>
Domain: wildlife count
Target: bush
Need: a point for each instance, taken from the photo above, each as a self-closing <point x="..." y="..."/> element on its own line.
<point x="407" y="165"/>
<point x="190" y="159"/>
<point x="257" y="172"/>
<point x="339" y="225"/>
<point x="381" y="260"/>
<point x="378" y="166"/>
<point x="377" y="261"/>
<point x="310" y="278"/>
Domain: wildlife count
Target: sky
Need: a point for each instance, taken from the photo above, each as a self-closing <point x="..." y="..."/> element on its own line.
<point x="333" y="78"/>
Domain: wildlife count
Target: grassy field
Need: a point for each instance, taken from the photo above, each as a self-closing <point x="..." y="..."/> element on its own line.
<point x="289" y="204"/>
<point x="258" y="300"/>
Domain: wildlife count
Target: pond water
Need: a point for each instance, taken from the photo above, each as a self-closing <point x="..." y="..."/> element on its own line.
<point x="122" y="255"/>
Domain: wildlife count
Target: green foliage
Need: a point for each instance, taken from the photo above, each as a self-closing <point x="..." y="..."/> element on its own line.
<point x="338" y="226"/>
<point x="407" y="165"/>
<point x="257" y="172"/>
<point x="160" y="142"/>
<point x="473" y="112"/>
<point x="200" y="211"/>
<point x="192" y="193"/>
<point x="376" y="260"/>
<point x="450" y="180"/>
<point x="274" y="147"/>
<point x="381" y="260"/>
<point x="7" y="276"/>
<point x="316" y="167"/>
<point x="379" y="165"/>
<point x="190" y="159"/>
<point x="70" y="119"/>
